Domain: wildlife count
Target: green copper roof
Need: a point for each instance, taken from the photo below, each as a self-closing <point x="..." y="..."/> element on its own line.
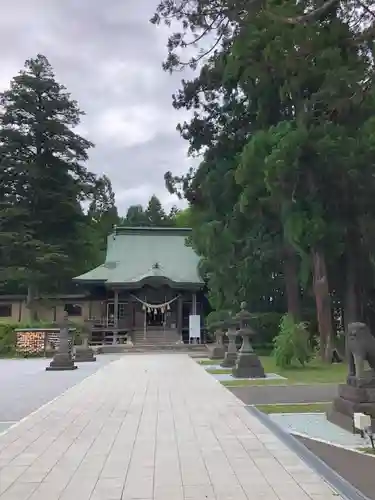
<point x="136" y="255"/>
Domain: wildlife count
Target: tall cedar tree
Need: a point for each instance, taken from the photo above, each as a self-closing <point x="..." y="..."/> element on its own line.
<point x="42" y="181"/>
<point x="153" y="215"/>
<point x="102" y="214"/>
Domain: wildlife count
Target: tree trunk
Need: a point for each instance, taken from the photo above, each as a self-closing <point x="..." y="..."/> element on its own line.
<point x="293" y="292"/>
<point x="31" y="302"/>
<point x="351" y="303"/>
<point x="323" y="304"/>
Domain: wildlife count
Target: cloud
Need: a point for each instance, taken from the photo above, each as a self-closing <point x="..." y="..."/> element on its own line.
<point x="109" y="57"/>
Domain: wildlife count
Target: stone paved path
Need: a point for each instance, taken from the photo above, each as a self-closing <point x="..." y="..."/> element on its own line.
<point x="151" y="427"/>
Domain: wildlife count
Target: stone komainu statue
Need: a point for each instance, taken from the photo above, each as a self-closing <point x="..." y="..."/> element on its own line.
<point x="360" y="347"/>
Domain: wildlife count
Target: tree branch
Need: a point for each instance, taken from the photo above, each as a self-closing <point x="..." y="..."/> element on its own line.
<point x="305" y="18"/>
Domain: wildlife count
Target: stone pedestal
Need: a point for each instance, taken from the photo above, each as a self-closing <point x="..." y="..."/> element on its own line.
<point x="356" y="396"/>
<point x="84" y="353"/>
<point x="248" y="364"/>
<point x="62" y="360"/>
<point x="218" y="349"/>
<point x="231" y="355"/>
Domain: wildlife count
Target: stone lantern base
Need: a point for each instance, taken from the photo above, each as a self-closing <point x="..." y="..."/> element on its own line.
<point x="61" y="362"/>
<point x="248" y="365"/>
<point x="84" y="354"/>
<point x="217" y="352"/>
<point x="229" y="360"/>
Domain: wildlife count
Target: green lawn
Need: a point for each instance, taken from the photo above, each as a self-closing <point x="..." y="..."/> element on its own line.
<point x="314" y="373"/>
<point x="369" y="451"/>
<point x="249" y="383"/>
<point x="295" y="408"/>
<point x="210" y="361"/>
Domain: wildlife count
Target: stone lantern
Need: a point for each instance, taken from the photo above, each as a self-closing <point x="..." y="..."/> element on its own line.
<point x="218" y="348"/>
<point x="231" y="355"/>
<point x="248" y="364"/>
<point x="84" y="353"/>
<point x="63" y="360"/>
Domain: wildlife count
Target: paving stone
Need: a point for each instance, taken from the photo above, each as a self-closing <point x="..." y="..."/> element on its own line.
<point x="150" y="427"/>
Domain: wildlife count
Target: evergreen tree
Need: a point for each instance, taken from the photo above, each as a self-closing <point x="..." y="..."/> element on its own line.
<point x="135" y="217"/>
<point x="103" y="213"/>
<point x="155" y="213"/>
<point x="43" y="181"/>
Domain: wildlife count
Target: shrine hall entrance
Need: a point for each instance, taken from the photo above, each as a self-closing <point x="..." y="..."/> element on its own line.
<point x="155" y="318"/>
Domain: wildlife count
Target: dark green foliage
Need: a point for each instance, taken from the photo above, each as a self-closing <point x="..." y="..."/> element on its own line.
<point x="102" y="214"/>
<point x="135" y="217"/>
<point x="182" y="218"/>
<point x="8" y="339"/>
<point x="283" y="114"/>
<point x="292" y="344"/>
<point x="154" y="215"/>
<point x="266" y="326"/>
<point x="217" y="320"/>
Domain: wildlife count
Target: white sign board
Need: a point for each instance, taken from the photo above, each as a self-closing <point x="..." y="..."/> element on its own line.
<point x="194" y="327"/>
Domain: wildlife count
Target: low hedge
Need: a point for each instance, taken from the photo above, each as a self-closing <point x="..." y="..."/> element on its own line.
<point x="8" y="339"/>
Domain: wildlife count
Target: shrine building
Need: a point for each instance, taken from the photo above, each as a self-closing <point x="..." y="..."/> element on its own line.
<point x="146" y="289"/>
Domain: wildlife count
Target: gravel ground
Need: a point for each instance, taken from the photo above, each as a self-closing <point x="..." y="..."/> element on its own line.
<point x="25" y="385"/>
<point x="262" y="395"/>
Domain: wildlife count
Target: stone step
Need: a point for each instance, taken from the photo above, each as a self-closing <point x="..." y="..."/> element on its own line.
<point x="193" y="349"/>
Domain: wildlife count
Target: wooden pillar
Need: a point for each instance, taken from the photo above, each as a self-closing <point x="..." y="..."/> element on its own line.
<point x="115" y="313"/>
<point x="194" y="303"/>
<point x="20" y="311"/>
<point x="179" y="316"/>
<point x="115" y="308"/>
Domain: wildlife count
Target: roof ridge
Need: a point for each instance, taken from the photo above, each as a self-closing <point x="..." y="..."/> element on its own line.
<point x="117" y="230"/>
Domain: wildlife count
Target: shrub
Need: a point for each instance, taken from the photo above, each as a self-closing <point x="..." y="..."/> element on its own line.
<point x="292" y="344"/>
<point x="8" y="339"/>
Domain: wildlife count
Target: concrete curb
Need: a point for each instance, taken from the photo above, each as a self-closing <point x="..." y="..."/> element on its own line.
<point x="338" y="483"/>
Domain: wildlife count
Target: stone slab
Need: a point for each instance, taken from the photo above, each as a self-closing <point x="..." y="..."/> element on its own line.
<point x="316" y="426"/>
<point x="151" y="427"/>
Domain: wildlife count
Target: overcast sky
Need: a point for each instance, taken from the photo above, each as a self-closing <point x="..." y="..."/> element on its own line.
<point x="109" y="57"/>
